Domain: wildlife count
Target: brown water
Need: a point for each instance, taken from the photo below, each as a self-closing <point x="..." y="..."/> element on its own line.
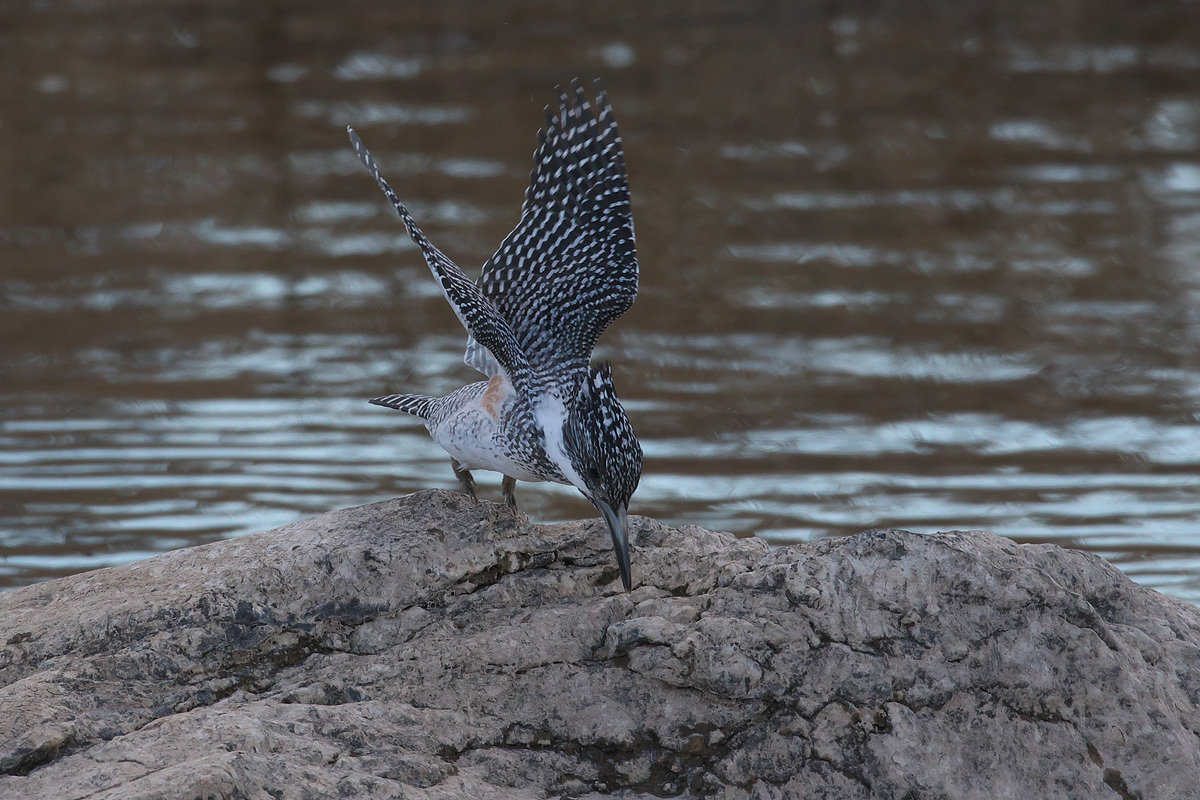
<point x="931" y="268"/>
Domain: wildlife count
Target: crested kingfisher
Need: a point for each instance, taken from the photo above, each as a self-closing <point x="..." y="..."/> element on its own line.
<point x="568" y="269"/>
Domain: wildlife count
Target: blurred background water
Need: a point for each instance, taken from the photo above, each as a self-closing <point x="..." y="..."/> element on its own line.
<point x="922" y="265"/>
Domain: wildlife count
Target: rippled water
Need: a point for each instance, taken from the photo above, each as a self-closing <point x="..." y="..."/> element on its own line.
<point x="931" y="269"/>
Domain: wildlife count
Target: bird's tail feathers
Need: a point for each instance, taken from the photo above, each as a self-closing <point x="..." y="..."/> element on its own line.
<point x="416" y="404"/>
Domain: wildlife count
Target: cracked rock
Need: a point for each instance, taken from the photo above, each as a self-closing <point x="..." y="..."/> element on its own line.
<point x="430" y="647"/>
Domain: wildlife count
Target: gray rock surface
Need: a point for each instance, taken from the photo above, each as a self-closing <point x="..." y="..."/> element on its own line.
<point x="428" y="647"/>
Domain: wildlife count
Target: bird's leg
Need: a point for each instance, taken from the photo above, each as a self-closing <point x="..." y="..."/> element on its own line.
<point x="509" y="486"/>
<point x="464" y="479"/>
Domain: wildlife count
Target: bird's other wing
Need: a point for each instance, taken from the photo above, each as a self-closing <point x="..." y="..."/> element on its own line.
<point x="479" y="316"/>
<point x="477" y="357"/>
<point x="570" y="266"/>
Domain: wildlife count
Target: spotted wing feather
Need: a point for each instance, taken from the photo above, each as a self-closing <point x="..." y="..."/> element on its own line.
<point x="569" y="268"/>
<point x="487" y="327"/>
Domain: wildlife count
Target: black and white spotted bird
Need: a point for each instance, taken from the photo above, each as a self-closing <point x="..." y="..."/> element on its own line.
<point x="567" y="271"/>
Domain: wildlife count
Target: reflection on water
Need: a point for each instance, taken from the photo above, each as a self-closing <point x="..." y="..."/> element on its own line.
<point x="931" y="271"/>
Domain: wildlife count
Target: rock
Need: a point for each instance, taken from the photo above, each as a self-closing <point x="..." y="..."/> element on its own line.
<point x="428" y="647"/>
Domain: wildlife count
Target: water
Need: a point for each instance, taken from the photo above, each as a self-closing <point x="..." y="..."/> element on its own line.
<point x="933" y="269"/>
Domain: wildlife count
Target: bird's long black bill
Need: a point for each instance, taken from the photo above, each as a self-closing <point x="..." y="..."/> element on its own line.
<point x="620" y="536"/>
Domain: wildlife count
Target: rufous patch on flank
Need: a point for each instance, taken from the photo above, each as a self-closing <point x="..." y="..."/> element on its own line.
<point x="493" y="396"/>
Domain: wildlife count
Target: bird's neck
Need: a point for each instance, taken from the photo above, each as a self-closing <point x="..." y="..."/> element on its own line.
<point x="551" y="414"/>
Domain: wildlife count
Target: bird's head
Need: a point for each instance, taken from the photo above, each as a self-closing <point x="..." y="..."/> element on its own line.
<point x="605" y="453"/>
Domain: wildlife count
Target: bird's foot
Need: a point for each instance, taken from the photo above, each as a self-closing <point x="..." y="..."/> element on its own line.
<point x="464" y="479"/>
<point x="509" y="487"/>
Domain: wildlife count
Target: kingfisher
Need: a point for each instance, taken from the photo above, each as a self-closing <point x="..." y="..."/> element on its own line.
<point x="569" y="268"/>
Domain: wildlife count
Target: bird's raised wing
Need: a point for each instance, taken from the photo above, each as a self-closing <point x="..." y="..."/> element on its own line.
<point x="570" y="266"/>
<point x="479" y="316"/>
